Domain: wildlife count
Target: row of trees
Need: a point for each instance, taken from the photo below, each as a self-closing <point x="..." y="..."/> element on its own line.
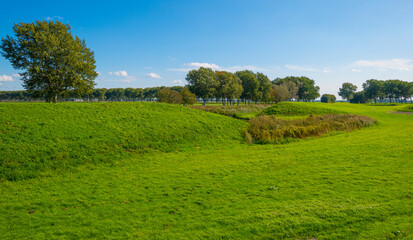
<point x="100" y="94"/>
<point x="378" y="90"/>
<point x="248" y="86"/>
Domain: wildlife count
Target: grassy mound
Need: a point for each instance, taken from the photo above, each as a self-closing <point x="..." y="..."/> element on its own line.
<point x="298" y="109"/>
<point x="270" y="129"/>
<point x="237" y="111"/>
<point x="408" y="108"/>
<point x="35" y="137"/>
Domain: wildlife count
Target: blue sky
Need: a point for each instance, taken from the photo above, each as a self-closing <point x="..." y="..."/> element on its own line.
<point x="155" y="43"/>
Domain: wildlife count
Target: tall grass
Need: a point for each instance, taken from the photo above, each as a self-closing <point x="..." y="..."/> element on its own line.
<point x="408" y="108"/>
<point x="270" y="129"/>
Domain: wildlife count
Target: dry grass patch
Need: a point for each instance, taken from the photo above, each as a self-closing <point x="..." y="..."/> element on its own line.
<point x="270" y="129"/>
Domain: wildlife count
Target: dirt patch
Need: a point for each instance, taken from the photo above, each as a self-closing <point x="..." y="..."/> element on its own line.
<point x="409" y="113"/>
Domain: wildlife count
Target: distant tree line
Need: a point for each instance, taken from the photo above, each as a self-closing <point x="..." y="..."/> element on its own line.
<point x="247" y="86"/>
<point x="97" y="94"/>
<point x="378" y="91"/>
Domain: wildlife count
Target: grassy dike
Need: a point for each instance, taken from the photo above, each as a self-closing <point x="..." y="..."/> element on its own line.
<point x="356" y="185"/>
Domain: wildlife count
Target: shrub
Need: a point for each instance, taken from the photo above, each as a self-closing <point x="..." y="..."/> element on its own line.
<point x="328" y="98"/>
<point x="169" y="96"/>
<point x="270" y="129"/>
<point x="188" y="98"/>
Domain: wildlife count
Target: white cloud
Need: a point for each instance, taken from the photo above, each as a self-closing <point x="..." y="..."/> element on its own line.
<point x="16" y="75"/>
<point x="393" y="64"/>
<point x="6" y="78"/>
<point x="52" y="18"/>
<point x="205" y="65"/>
<point x="126" y="81"/>
<point x="301" y="68"/>
<point x="180" y="69"/>
<point x="153" y="75"/>
<point x="177" y="81"/>
<point x="213" y="66"/>
<point x="356" y="70"/>
<point x="119" y="73"/>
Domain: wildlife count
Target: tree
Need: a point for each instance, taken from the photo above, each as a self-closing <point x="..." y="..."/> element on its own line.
<point x="202" y="82"/>
<point x="279" y="93"/>
<point x="169" y="96"/>
<point x="188" y="98"/>
<point x="250" y="85"/>
<point x="229" y="86"/>
<point x="99" y="93"/>
<point x="292" y="89"/>
<point x="374" y="89"/>
<point x="307" y="90"/>
<point x="358" y="97"/>
<point x="346" y="90"/>
<point x="265" y="87"/>
<point x="52" y="61"/>
<point x="328" y="98"/>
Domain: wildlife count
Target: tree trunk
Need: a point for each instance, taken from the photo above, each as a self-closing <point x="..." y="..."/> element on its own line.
<point x="55" y="98"/>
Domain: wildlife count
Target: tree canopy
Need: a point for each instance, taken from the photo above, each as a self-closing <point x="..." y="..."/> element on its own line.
<point x="307" y="90"/>
<point x="346" y="90"/>
<point x="52" y="61"/>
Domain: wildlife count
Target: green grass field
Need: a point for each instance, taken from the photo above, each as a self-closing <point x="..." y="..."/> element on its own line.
<point x="158" y="171"/>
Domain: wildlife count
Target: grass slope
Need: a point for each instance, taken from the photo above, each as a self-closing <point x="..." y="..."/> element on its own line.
<point x="37" y="137"/>
<point x="356" y="185"/>
<point x="242" y="111"/>
<point x="291" y="109"/>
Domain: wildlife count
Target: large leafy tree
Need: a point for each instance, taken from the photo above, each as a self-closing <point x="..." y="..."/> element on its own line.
<point x="202" y="82"/>
<point x="307" y="90"/>
<point x="374" y="89"/>
<point x="229" y="86"/>
<point x="52" y="61"/>
<point x="250" y="85"/>
<point x="265" y="87"/>
<point x="347" y="90"/>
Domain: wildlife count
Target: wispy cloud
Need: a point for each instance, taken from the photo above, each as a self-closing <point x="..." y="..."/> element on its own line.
<point x="55" y="17"/>
<point x="305" y="69"/>
<point x="205" y="65"/>
<point x="355" y="70"/>
<point x="213" y="66"/>
<point x="126" y="77"/>
<point x="177" y="82"/>
<point x="119" y="73"/>
<point x="153" y="75"/>
<point x="16" y="75"/>
<point x="6" y="78"/>
<point x="392" y="64"/>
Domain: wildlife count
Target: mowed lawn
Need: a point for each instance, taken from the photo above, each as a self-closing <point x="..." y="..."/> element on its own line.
<point x="356" y="185"/>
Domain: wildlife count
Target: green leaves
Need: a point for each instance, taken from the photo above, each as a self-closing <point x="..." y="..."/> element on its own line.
<point x="52" y="61"/>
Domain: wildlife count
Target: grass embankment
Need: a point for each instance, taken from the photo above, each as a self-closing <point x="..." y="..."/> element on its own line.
<point x="356" y="185"/>
<point x="245" y="112"/>
<point x="270" y="129"/>
<point x="294" y="109"/>
<point x="408" y="108"/>
<point x="37" y="137"/>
